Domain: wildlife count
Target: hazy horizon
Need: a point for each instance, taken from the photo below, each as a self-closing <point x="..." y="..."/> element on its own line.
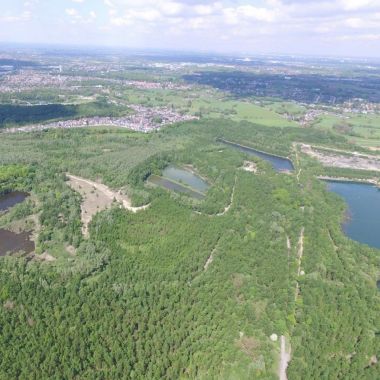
<point x="337" y="28"/>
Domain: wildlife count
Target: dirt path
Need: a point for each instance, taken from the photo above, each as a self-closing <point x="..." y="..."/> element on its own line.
<point x="288" y="245"/>
<point x="284" y="359"/>
<point x="332" y="240"/>
<point x="285" y="353"/>
<point x="298" y="175"/>
<point x="299" y="255"/>
<point x="300" y="250"/>
<point x="210" y="258"/>
<point x="227" y="208"/>
<point x="97" y="197"/>
<point x="295" y="148"/>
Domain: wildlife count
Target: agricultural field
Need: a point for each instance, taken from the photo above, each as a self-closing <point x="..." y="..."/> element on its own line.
<point x="363" y="129"/>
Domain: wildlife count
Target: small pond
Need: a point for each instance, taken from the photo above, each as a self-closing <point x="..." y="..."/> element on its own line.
<point x="280" y="164"/>
<point x="11" y="242"/>
<point x="170" y="185"/>
<point x="363" y="222"/>
<point x="11" y="199"/>
<point x="186" y="177"/>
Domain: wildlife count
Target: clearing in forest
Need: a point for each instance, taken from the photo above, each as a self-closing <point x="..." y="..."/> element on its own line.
<point x="97" y="197"/>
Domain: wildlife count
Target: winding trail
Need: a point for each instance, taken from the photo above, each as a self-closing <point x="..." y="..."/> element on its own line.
<point x="126" y="202"/>
<point x="298" y="175"/>
<point x="227" y="208"/>
<point x="97" y="197"/>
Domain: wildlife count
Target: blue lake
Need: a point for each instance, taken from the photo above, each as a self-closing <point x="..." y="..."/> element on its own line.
<point x="280" y="164"/>
<point x="363" y="223"/>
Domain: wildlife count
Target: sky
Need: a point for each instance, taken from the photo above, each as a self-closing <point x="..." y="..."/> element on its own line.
<point x="306" y="27"/>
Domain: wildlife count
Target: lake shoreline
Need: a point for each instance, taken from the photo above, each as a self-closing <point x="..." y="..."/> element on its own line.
<point x="368" y="181"/>
<point x="257" y="150"/>
<point x="269" y="157"/>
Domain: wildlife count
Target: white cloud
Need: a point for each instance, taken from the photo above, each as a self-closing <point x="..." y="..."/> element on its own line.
<point x="170" y="8"/>
<point x="243" y="13"/>
<point x="204" y="10"/>
<point x="355" y="22"/>
<point x="71" y="12"/>
<point x="78" y="18"/>
<point x="360" y="37"/>
<point x="23" y="17"/>
<point x="352" y="5"/>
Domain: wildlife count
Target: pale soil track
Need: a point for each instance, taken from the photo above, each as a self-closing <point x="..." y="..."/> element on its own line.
<point x="284" y="359"/>
<point x="211" y="257"/>
<point x="97" y="197"/>
<point x="227" y="208"/>
<point x="300" y="255"/>
<point x="288" y="245"/>
<point x="285" y="352"/>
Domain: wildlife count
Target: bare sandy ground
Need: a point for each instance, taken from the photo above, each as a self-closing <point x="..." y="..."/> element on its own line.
<point x="46" y="257"/>
<point x="342" y="159"/>
<point x="249" y="166"/>
<point x="97" y="197"/>
<point x="43" y="257"/>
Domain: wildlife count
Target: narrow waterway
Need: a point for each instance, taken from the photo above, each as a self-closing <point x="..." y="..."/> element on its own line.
<point x="279" y="164"/>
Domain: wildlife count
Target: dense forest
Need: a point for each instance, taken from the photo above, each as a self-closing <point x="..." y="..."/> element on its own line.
<point x="136" y="299"/>
<point x="11" y="115"/>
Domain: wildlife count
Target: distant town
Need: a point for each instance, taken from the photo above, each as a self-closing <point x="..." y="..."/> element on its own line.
<point x="143" y="119"/>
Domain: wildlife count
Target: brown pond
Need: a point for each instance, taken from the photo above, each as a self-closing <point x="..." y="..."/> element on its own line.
<point x="11" y="242"/>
